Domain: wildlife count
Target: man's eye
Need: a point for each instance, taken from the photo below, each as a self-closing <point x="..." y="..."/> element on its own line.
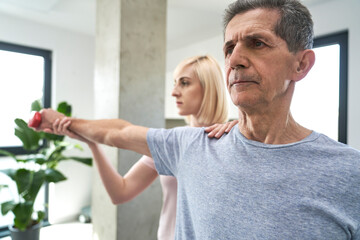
<point x="229" y="51"/>
<point x="258" y="43"/>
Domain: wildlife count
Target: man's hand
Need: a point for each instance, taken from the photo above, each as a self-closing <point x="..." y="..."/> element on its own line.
<point x="217" y="130"/>
<point x="48" y="117"/>
<point x="35" y="119"/>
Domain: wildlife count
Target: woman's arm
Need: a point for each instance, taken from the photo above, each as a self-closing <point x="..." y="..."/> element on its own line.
<point x="120" y="189"/>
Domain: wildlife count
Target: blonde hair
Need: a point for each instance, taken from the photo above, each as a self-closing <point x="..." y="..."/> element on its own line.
<point x="214" y="107"/>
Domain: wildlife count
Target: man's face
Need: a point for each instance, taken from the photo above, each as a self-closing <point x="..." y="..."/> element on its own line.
<point x="258" y="64"/>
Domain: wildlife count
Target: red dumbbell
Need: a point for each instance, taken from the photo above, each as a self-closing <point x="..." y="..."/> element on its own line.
<point x="35" y="120"/>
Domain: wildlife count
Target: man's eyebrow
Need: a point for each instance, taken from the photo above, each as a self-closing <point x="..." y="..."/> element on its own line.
<point x="228" y="43"/>
<point x="249" y="37"/>
<point x="257" y="36"/>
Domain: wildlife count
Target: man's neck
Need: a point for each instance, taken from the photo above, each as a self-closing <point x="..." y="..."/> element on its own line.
<point x="279" y="128"/>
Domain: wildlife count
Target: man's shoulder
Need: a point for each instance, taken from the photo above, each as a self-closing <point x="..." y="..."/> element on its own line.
<point x="179" y="130"/>
<point x="183" y="133"/>
<point x="334" y="147"/>
<point x="336" y="157"/>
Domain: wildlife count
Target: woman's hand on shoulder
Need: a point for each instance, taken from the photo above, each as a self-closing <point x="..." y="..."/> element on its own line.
<point x="218" y="129"/>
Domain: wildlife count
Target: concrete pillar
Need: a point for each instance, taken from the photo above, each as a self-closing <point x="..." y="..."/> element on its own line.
<point x="129" y="84"/>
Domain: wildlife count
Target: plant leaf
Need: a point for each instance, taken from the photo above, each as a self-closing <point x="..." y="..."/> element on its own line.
<point x="7" y="207"/>
<point x="41" y="216"/>
<point x="36" y="106"/>
<point x="23" y="179"/>
<point x="37" y="181"/>
<point x="78" y="146"/>
<point x="23" y="213"/>
<point x="54" y="176"/>
<point x="52" y="137"/>
<point x="28" y="136"/>
<point x="40" y="161"/>
<point x="66" y="145"/>
<point x="24" y="138"/>
<point x="9" y="154"/>
<point x="54" y="154"/>
<point x="64" y="108"/>
<point x="86" y="161"/>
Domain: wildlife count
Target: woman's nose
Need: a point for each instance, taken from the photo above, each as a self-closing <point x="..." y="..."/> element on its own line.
<point x="175" y="92"/>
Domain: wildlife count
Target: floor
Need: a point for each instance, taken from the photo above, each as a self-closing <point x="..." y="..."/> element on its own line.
<point x="68" y="231"/>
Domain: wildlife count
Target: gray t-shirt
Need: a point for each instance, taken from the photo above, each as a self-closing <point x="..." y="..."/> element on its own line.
<point x="235" y="188"/>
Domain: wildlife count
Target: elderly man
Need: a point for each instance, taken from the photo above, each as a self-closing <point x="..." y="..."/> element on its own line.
<point x="269" y="177"/>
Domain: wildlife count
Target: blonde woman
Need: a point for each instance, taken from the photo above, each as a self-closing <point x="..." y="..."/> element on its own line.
<point x="200" y="96"/>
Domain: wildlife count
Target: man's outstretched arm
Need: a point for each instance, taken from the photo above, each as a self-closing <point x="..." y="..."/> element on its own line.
<point x="113" y="132"/>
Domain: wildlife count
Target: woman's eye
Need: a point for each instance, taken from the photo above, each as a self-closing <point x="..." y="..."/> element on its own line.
<point x="184" y="83"/>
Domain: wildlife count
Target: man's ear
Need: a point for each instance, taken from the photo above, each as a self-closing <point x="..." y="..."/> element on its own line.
<point x="306" y="60"/>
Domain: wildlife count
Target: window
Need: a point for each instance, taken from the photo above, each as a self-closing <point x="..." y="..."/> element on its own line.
<point x="25" y="76"/>
<point x="320" y="99"/>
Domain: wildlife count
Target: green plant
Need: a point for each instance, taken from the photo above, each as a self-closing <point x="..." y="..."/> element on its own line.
<point x="36" y="168"/>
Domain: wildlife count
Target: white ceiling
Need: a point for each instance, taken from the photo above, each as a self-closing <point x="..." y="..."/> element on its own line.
<point x="187" y="20"/>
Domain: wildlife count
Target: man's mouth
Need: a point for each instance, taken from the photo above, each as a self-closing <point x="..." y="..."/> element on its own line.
<point x="242" y="80"/>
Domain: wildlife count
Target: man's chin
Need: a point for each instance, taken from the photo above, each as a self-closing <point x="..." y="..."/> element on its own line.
<point x="243" y="101"/>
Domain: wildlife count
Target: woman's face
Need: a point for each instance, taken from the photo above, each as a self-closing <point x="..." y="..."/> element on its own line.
<point x="188" y="91"/>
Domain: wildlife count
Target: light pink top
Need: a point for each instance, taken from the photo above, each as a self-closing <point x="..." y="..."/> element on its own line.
<point x="166" y="229"/>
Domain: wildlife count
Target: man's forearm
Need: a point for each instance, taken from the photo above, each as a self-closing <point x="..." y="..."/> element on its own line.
<point x="100" y="131"/>
<point x="113" y="132"/>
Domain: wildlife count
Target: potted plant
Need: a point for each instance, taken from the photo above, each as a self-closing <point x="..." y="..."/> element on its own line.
<point x="38" y="167"/>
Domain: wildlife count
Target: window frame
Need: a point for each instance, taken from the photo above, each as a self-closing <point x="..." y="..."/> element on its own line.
<point x="340" y="38"/>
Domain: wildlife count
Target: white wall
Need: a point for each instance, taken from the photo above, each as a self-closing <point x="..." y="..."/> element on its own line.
<point x="337" y="16"/>
<point x="330" y="17"/>
<point x="72" y="81"/>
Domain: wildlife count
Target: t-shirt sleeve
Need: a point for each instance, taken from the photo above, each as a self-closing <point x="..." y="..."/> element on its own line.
<point x="168" y="147"/>
<point x="163" y="145"/>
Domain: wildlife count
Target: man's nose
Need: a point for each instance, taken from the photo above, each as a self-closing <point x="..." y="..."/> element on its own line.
<point x="238" y="58"/>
